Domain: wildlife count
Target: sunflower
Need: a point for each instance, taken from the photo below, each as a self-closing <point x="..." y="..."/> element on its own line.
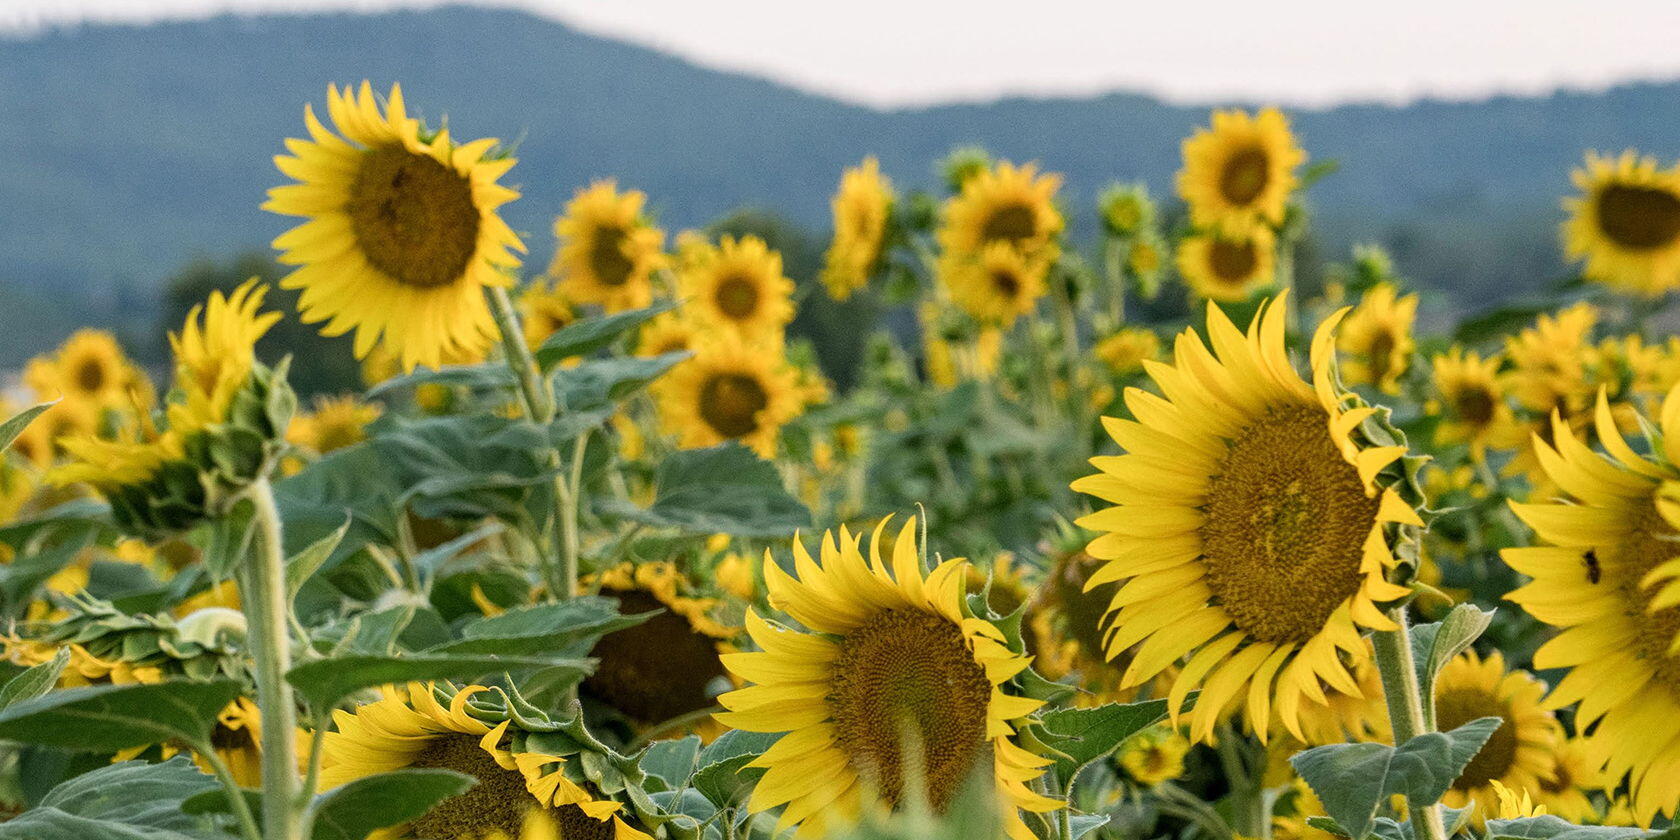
<point x="1239" y="174"/>
<point x="1002" y="284"/>
<point x="1520" y="753"/>
<point x="1126" y="209"/>
<point x="413" y="727"/>
<point x="88" y="368"/>
<point x="861" y="209"/>
<point x="403" y="234"/>
<point x="543" y="310"/>
<point x="1573" y="778"/>
<point x="729" y="390"/>
<point x="739" y="285"/>
<point x="668" y="666"/>
<point x="1007" y="205"/>
<point x="1255" y="517"/>
<point x="1471" y="404"/>
<point x="1227" y="268"/>
<point x="1126" y="351"/>
<point x="43" y="440"/>
<point x="1626" y="223"/>
<point x="1377" y="336"/>
<point x="1548" y="361"/>
<point x="215" y="353"/>
<point x="1067" y="619"/>
<point x="1605" y="538"/>
<point x="667" y="333"/>
<point x="608" y="248"/>
<point x="893" y="656"/>
<point x="335" y="423"/>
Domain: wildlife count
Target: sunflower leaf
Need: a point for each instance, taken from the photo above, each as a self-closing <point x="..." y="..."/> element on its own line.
<point x="109" y="718"/>
<point x="672" y="761"/>
<point x="351" y="811"/>
<point x="14" y="426"/>
<point x="325" y="682"/>
<point x="477" y="377"/>
<point x="724" y="489"/>
<point x="1436" y="644"/>
<point x="598" y="383"/>
<point x="569" y="627"/>
<point x="592" y="334"/>
<point x="34" y="681"/>
<point x="309" y="561"/>
<point x="1082" y="736"/>
<point x="1548" y="827"/>
<point x="724" y="777"/>
<point x="1355" y="780"/>
<point x="132" y="800"/>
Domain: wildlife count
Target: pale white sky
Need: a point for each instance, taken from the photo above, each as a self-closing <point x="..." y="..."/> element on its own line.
<point x="899" y="52"/>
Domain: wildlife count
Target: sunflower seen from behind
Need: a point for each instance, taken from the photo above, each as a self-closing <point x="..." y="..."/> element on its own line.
<point x="862" y="208"/>
<point x="892" y="665"/>
<point x="608" y="248"/>
<point x="1254" y="519"/>
<point x="738" y="285"/>
<point x="1240" y="172"/>
<point x="1227" y="268"/>
<point x="1592" y="579"/>
<point x="729" y="390"/>
<point x="1376" y="339"/>
<point x="403" y="235"/>
<point x="1625" y="224"/>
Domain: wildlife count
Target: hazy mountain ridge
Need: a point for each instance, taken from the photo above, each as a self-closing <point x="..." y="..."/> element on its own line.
<point x="133" y="149"/>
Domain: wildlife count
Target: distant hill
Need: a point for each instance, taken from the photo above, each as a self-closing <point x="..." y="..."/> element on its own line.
<point x="129" y="150"/>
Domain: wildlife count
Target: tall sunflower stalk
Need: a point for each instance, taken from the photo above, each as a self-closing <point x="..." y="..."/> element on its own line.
<point x="262" y="581"/>
<point x="1410" y="713"/>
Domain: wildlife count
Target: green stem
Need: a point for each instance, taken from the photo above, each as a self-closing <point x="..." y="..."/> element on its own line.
<point x="266" y="607"/>
<point x="312" y="775"/>
<point x="1409" y="712"/>
<point x="569" y="517"/>
<point x="236" y="796"/>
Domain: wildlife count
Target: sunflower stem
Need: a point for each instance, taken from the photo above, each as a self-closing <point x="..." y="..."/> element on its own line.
<point x="263" y="591"/>
<point x="1406" y="703"/>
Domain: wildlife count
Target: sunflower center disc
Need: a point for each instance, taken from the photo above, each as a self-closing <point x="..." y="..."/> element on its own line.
<point x="906" y="683"/>
<point x="497" y="803"/>
<point x="90" y="375"/>
<point x="1013" y="223"/>
<point x="1286" y="523"/>
<point x="1382" y="350"/>
<point x="1475" y="405"/>
<point x="1084" y="610"/>
<point x="656" y="670"/>
<point x="574" y="824"/>
<point x="1245" y="176"/>
<point x="1233" y="262"/>
<point x="1455" y="707"/>
<point x="1651" y="546"/>
<point x="413" y="217"/>
<point x="1639" y="218"/>
<point x="607" y="259"/>
<point x="1007" y="284"/>
<point x="737" y="297"/>
<point x="730" y="404"/>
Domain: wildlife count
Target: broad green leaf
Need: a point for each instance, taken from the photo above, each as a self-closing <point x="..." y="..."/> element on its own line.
<point x="1501" y="321"/>
<point x="570" y="626"/>
<point x="108" y="718"/>
<point x="22" y="578"/>
<point x="133" y="800"/>
<point x="592" y="334"/>
<point x="1083" y="824"/>
<point x="1550" y="827"/>
<point x="722" y="490"/>
<point x="470" y="466"/>
<point x="35" y="681"/>
<point x="1434" y="645"/>
<point x="478" y="377"/>
<point x="13" y="427"/>
<point x="1355" y="780"/>
<point x="672" y="761"/>
<point x="309" y="561"/>
<point x="1085" y="735"/>
<point x="724" y="777"/>
<point x="232" y="539"/>
<point x="1383" y="829"/>
<point x="353" y="810"/>
<point x="324" y="682"/>
<point x="597" y="383"/>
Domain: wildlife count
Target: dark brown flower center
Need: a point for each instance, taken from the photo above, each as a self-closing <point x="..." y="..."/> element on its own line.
<point x="1639" y="218"/>
<point x="1245" y="175"/>
<point x="1007" y="284"/>
<point x="1233" y="261"/>
<point x="90" y="376"/>
<point x="414" y="218"/>
<point x="658" y="670"/>
<point x="737" y="297"/>
<point x="1474" y="405"/>
<point x="498" y="802"/>
<point x="1455" y="707"/>
<point x="730" y="403"/>
<point x="1653" y="543"/>
<point x="906" y="685"/>
<point x="1286" y="522"/>
<point x="1383" y="359"/>
<point x="1012" y="223"/>
<point x="607" y="259"/>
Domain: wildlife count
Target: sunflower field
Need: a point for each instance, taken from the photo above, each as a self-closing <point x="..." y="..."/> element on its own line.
<point x="1134" y="534"/>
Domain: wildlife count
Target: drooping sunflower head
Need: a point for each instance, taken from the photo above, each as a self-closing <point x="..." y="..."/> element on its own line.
<point x="1471" y="401"/>
<point x="1598" y="579"/>
<point x="1254" y="520"/>
<point x="893" y="669"/>
<point x="667" y="666"/>
<point x="403" y="233"/>
<point x="1007" y="205"/>
<point x="1376" y="339"/>
<point x="862" y="208"/>
<point x="1626" y="223"/>
<point x="608" y="248"/>
<point x="738" y="285"/>
<point x="1521" y="752"/>
<point x="215" y="353"/>
<point x="543" y="310"/>
<point x="521" y="765"/>
<point x="1239" y="173"/>
<point x="1227" y="267"/>
<point x="335" y="422"/>
<point x="1002" y="284"/>
<point x="729" y="390"/>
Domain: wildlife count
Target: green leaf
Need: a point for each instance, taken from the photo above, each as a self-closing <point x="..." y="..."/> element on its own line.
<point x="722" y="490"/>
<point x="1549" y="827"/>
<point x="1083" y="824"/>
<point x="1434" y="645"/>
<point x="479" y="377"/>
<point x="469" y="466"/>
<point x="324" y="682"/>
<point x="13" y="427"/>
<point x="232" y="539"/>
<point x="133" y="800"/>
<point x="724" y="776"/>
<point x="35" y="681"/>
<point x="592" y="334"/>
<point x="672" y="761"/>
<point x="108" y="718"/>
<point x="1085" y="735"/>
<point x="1355" y="780"/>
<point x="571" y="626"/>
<point x="309" y="561"/>
<point x="596" y="383"/>
<point x="352" y="811"/>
